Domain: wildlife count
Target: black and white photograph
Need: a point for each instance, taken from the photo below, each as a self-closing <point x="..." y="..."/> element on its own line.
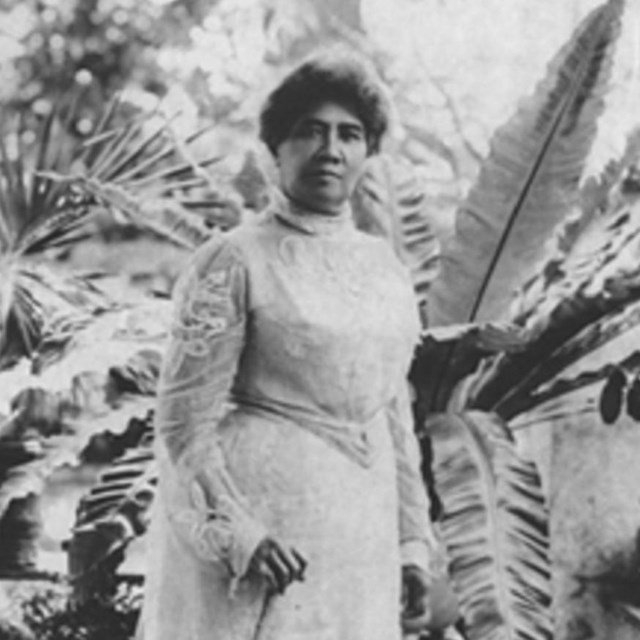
<point x="319" y="320"/>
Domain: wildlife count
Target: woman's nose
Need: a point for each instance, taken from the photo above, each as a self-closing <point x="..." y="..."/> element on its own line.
<point x="331" y="147"/>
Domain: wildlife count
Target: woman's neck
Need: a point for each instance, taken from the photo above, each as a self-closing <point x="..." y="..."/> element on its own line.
<point x="310" y="220"/>
<point x="304" y="209"/>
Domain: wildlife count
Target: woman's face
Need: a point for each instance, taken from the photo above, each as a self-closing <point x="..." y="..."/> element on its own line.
<point x="322" y="158"/>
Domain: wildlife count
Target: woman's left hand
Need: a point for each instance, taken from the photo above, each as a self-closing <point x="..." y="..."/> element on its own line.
<point x="416" y="612"/>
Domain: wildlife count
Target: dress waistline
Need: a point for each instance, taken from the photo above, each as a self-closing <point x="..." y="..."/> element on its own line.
<point x="349" y="437"/>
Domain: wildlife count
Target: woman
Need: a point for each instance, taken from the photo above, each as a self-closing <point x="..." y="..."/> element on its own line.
<point x="290" y="493"/>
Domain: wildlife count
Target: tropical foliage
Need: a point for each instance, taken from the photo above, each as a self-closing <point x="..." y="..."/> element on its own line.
<point x="51" y="616"/>
<point x="390" y="202"/>
<point x="533" y="250"/>
<point x="74" y="357"/>
<point x="494" y="525"/>
<point x="532" y="302"/>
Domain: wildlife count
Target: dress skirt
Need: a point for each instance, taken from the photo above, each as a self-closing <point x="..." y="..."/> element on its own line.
<point x="341" y="515"/>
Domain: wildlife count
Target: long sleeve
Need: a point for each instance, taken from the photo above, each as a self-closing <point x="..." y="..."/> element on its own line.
<point x="201" y="361"/>
<point x="418" y="544"/>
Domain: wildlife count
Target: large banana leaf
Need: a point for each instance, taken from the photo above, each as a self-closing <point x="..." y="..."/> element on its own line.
<point x="390" y="202"/>
<point x="526" y="184"/>
<point x="111" y="515"/>
<point x="494" y="525"/>
<point x="583" y="312"/>
<point x="582" y="303"/>
<point x="84" y="389"/>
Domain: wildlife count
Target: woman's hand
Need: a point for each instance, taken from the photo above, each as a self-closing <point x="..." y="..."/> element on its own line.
<point x="416" y="612"/>
<point x="278" y="564"/>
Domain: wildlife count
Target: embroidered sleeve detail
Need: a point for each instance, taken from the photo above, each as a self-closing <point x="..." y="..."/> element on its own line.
<point x="206" y="310"/>
<point x="225" y="533"/>
<point x="199" y="368"/>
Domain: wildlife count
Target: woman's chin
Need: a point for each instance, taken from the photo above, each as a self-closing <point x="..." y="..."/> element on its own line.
<point x="320" y="201"/>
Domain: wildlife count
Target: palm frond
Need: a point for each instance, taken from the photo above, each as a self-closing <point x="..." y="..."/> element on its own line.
<point x="525" y="185"/>
<point x="34" y="208"/>
<point x="145" y="174"/>
<point x="132" y="157"/>
<point x="10" y="197"/>
<point x="179" y="172"/>
<point x="115" y="151"/>
<point x="494" y="526"/>
<point x="64" y="227"/>
<point x="54" y="153"/>
<point x="40" y="300"/>
<point x="164" y="216"/>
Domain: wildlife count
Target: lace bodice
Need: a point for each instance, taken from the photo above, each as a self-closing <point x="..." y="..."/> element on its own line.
<point x="332" y="324"/>
<point x="306" y="318"/>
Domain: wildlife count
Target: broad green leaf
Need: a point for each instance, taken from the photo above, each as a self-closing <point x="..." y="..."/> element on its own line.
<point x="494" y="526"/>
<point x="82" y="380"/>
<point x="527" y="184"/>
<point x="578" y="308"/>
<point x="115" y="511"/>
<point x="31" y="477"/>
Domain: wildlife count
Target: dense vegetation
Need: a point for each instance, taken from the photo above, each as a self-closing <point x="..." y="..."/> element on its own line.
<point x="530" y="302"/>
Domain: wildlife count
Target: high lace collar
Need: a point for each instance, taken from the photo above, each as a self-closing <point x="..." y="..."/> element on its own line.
<point x="306" y="220"/>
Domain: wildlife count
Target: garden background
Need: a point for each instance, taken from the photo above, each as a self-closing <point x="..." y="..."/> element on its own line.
<point x="131" y="127"/>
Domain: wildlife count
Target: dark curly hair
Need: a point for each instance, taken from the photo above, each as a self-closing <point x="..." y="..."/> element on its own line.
<point x="338" y="76"/>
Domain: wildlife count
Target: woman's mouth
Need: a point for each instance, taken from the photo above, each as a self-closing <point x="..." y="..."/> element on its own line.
<point x="325" y="173"/>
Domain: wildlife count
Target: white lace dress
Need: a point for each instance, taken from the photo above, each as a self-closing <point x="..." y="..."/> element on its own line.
<point x="283" y="409"/>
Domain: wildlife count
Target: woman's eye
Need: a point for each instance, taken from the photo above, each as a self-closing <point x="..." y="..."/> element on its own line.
<point x="308" y="131"/>
<point x="352" y="136"/>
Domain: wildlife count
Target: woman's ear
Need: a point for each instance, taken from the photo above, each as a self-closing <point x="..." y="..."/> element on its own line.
<point x="372" y="147"/>
<point x="274" y="155"/>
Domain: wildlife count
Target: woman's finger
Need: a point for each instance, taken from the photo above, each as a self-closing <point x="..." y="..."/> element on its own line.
<point x="294" y="561"/>
<point x="290" y="561"/>
<point x="280" y="569"/>
<point x="267" y="574"/>
<point x="299" y="563"/>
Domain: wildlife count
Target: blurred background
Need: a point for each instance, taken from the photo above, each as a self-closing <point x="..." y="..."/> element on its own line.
<point x="456" y="68"/>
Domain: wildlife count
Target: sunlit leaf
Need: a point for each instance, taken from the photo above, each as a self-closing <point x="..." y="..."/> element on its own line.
<point x="494" y="526"/>
<point x="165" y="216"/>
<point x="114" y="512"/>
<point x="526" y="184"/>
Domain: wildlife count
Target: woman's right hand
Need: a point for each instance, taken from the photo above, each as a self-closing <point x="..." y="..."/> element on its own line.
<point x="278" y="564"/>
